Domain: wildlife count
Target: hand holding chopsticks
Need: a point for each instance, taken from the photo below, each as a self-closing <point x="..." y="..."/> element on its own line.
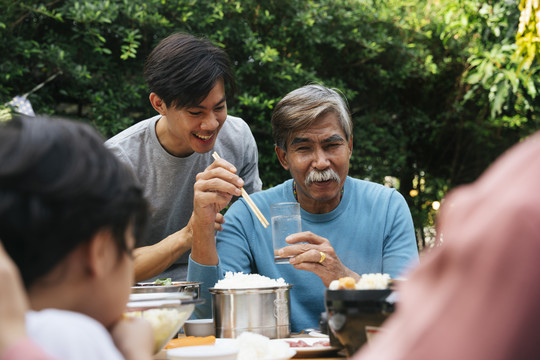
<point x="250" y="202"/>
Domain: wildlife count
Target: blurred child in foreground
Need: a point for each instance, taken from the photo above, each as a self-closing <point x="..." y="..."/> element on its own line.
<point x="69" y="216"/>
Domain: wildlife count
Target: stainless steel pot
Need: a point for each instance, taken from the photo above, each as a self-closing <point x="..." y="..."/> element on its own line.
<point x="264" y="311"/>
<point x="186" y="287"/>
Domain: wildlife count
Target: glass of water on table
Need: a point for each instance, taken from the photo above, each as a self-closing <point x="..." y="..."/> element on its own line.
<point x="286" y="220"/>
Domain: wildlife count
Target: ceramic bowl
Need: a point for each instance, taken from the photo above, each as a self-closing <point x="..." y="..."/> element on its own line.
<point x="199" y="327"/>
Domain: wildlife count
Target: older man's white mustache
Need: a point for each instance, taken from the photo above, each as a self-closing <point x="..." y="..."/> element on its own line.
<point x="324" y="175"/>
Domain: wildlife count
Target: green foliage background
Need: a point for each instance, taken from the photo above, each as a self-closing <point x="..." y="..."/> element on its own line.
<point x="434" y="89"/>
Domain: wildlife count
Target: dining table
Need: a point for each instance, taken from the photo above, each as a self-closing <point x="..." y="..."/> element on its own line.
<point x="338" y="355"/>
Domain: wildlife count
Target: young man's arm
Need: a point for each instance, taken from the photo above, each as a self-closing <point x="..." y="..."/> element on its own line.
<point x="213" y="191"/>
<point x="152" y="260"/>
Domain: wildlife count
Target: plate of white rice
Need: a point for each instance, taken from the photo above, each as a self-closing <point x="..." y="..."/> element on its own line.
<point x="252" y="346"/>
<point x="247" y="346"/>
<point x="240" y="280"/>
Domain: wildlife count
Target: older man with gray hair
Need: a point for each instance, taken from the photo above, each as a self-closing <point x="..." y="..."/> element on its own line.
<point x="351" y="226"/>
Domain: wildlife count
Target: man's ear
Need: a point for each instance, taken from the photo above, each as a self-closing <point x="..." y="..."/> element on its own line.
<point x="282" y="157"/>
<point x="99" y="253"/>
<point x="158" y="104"/>
<point x="350" y="147"/>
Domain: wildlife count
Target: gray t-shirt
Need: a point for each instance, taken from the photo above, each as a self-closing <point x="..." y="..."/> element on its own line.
<point x="167" y="180"/>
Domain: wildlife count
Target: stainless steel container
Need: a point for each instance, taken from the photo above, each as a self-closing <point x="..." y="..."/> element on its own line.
<point x="186" y="287"/>
<point x="264" y="311"/>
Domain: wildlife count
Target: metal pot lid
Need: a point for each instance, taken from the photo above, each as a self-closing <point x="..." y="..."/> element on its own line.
<point x="249" y="290"/>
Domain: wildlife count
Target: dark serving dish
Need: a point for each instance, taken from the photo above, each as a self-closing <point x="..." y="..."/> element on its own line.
<point x="354" y="315"/>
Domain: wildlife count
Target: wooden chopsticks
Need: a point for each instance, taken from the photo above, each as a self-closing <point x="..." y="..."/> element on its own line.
<point x="250" y="202"/>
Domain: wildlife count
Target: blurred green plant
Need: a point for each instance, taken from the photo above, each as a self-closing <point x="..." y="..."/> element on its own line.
<point x="528" y="33"/>
<point x="434" y="88"/>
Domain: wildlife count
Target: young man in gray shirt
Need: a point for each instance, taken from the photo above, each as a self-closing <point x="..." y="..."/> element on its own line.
<point x="188" y="79"/>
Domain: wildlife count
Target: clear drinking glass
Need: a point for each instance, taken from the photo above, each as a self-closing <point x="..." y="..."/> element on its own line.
<point x="286" y="220"/>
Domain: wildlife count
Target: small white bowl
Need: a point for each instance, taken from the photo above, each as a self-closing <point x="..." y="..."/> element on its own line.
<point x="199" y="327"/>
<point x="204" y="352"/>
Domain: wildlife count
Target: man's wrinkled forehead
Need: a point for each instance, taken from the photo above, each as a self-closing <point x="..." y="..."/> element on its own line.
<point x="299" y="139"/>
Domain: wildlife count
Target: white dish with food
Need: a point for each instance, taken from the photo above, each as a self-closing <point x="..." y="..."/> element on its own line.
<point x="248" y="348"/>
<point x="166" y="313"/>
<point x="317" y="333"/>
<point x="204" y="352"/>
<point x="311" y="346"/>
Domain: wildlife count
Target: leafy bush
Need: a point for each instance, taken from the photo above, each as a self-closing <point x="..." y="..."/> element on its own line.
<point x="433" y="86"/>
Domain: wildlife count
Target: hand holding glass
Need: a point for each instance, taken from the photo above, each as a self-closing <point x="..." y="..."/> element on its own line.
<point x="286" y="220"/>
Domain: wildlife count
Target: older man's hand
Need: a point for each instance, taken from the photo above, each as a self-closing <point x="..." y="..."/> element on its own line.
<point x="314" y="253"/>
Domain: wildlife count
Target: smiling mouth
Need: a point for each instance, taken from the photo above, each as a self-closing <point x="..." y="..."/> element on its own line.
<point x="203" y="137"/>
<point x="323" y="182"/>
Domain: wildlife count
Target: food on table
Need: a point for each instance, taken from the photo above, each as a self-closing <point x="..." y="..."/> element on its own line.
<point x="240" y="280"/>
<point x="347" y="283"/>
<point x="159" y="282"/>
<point x="367" y="282"/>
<point x="163" y="321"/>
<point x="167" y="281"/>
<point x="191" y="341"/>
<point x="258" y="347"/>
<point x="302" y="343"/>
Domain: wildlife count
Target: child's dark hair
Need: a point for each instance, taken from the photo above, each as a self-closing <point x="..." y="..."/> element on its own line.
<point x="59" y="185"/>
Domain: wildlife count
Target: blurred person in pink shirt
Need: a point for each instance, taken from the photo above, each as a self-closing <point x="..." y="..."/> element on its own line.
<point x="14" y="342"/>
<point x="476" y="297"/>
